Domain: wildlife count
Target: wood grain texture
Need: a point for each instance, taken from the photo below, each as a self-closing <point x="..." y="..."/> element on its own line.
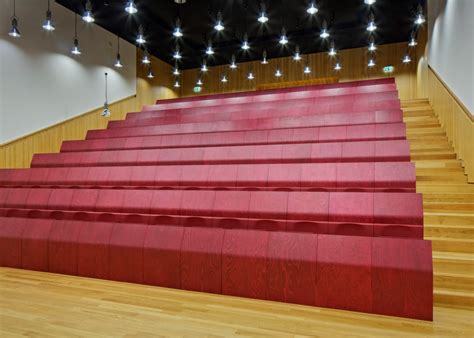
<point x="354" y="63"/>
<point x="18" y="153"/>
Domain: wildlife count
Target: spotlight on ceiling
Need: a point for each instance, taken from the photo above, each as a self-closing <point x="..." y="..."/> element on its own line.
<point x="87" y="16"/>
<point x="371" y="63"/>
<point x="369" y="2"/>
<point x="177" y="54"/>
<point x="324" y="31"/>
<point x="371" y="27"/>
<point x="130" y="7"/>
<point x="14" y="32"/>
<point x="406" y="58"/>
<point x="150" y="74"/>
<point x="312" y="9"/>
<point x="283" y="38"/>
<point x="210" y="50"/>
<point x="177" y="33"/>
<point x="420" y="18"/>
<point x="263" y="16"/>
<point x="250" y="76"/>
<point x="278" y="73"/>
<point x="307" y="70"/>
<point x="337" y="66"/>
<point x="204" y="68"/>
<point x="224" y="79"/>
<point x="264" y="58"/>
<point x="48" y="22"/>
<point x="140" y="37"/>
<point x="219" y="25"/>
<point x="412" y="42"/>
<point x="233" y="65"/>
<point x="245" y="44"/>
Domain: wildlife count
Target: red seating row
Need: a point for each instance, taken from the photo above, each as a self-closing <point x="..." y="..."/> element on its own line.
<point x="334" y="89"/>
<point x="349" y="104"/>
<point x="367" y="132"/>
<point x="379" y="275"/>
<point x="369" y="151"/>
<point x="266" y="97"/>
<point x="394" y="116"/>
<point x="218" y="116"/>
<point x="390" y="176"/>
<point x="364" y="207"/>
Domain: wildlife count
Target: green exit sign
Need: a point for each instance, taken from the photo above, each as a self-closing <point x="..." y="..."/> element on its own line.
<point x="197" y="89"/>
<point x="388" y="69"/>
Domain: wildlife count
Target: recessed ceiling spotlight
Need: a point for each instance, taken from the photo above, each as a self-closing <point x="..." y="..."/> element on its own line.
<point x="48" y="22"/>
<point x="177" y="33"/>
<point x="130" y="7"/>
<point x="87" y="16"/>
<point x="14" y="32"/>
<point x="312" y="9"/>
<point x="420" y="18"/>
<point x="140" y="37"/>
<point x="371" y="27"/>
<point x="219" y="25"/>
<point x="283" y="38"/>
<point x="263" y="16"/>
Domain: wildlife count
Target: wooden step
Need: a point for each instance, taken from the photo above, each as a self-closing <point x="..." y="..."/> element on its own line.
<point x="448" y="297"/>
<point x="445" y="218"/>
<point x="452" y="244"/>
<point x="414" y="102"/>
<point x="447" y="155"/>
<point x="449" y="197"/>
<point x="438" y="164"/>
<point x="465" y="208"/>
<point x="458" y="282"/>
<point x="453" y="263"/>
<point x="449" y="231"/>
<point x="444" y="187"/>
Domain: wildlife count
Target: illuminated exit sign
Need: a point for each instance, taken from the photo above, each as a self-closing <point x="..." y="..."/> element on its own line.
<point x="388" y="69"/>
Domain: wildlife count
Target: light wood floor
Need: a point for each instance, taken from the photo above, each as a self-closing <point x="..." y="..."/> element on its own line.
<point x="42" y="304"/>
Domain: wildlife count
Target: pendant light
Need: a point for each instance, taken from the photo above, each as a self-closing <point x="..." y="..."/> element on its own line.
<point x="278" y="72"/>
<point x="209" y="50"/>
<point x="14" y="32"/>
<point x="371" y="27"/>
<point x="177" y="54"/>
<point x="263" y="15"/>
<point x="297" y="56"/>
<point x="106" y="111"/>
<point x="245" y="44"/>
<point x="233" y="65"/>
<point x="412" y="42"/>
<point x="307" y="70"/>
<point x="420" y="17"/>
<point x="219" y="25"/>
<point x="406" y="58"/>
<point x="176" y="71"/>
<point x="332" y="49"/>
<point x="337" y="65"/>
<point x="177" y="33"/>
<point x="372" y="47"/>
<point x="48" y="22"/>
<point x="75" y="49"/>
<point x="312" y="9"/>
<point x="118" y="62"/>
<point x="264" y="58"/>
<point x="130" y="7"/>
<point x="146" y="57"/>
<point x="87" y="16"/>
<point x="150" y="74"/>
<point x="204" y="68"/>
<point x="324" y="31"/>
<point x="224" y="79"/>
<point x="140" y="37"/>
<point x="283" y="38"/>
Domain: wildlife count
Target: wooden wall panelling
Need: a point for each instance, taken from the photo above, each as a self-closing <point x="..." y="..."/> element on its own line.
<point x="354" y="67"/>
<point x="18" y="153"/>
<point x="455" y="119"/>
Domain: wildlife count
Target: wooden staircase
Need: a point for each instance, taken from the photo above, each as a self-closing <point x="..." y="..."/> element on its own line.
<point x="448" y="201"/>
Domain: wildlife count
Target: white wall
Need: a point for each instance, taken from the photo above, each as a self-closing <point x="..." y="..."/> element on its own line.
<point x="41" y="82"/>
<point x="451" y="46"/>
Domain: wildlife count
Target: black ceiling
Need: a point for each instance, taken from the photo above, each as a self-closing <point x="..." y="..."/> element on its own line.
<point x="347" y="21"/>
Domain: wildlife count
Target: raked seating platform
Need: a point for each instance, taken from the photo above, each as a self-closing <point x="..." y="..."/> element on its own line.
<point x="303" y="195"/>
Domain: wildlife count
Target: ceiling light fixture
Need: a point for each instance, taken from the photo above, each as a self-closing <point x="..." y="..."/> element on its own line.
<point x="369" y="2"/>
<point x="371" y="62"/>
<point x="146" y="58"/>
<point x="224" y="79"/>
<point x="176" y="84"/>
<point x="297" y="56"/>
<point x="264" y="58"/>
<point x="87" y="16"/>
<point x="283" y="39"/>
<point x="130" y="7"/>
<point x="75" y="49"/>
<point x="177" y="33"/>
<point x="337" y="66"/>
<point x="324" y="31"/>
<point x="250" y="75"/>
<point x="372" y="47"/>
<point x="209" y="50"/>
<point x="245" y="44"/>
<point x="48" y="22"/>
<point x="332" y="49"/>
<point x="141" y="37"/>
<point x="204" y="68"/>
<point x="118" y="62"/>
<point x="233" y="65"/>
<point x="150" y="74"/>
<point x="406" y="58"/>
<point x="412" y="42"/>
<point x="176" y="71"/>
<point x="219" y="25"/>
<point x="199" y="82"/>
<point x="177" y="54"/>
<point x="278" y="72"/>
<point x="307" y="70"/>
<point x="263" y="16"/>
<point x="106" y="111"/>
<point x="420" y="18"/>
<point x="312" y="9"/>
<point x="14" y="32"/>
<point x="371" y="27"/>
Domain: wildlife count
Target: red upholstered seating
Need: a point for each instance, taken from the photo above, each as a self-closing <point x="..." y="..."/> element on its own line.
<point x="304" y="195"/>
<point x="298" y="268"/>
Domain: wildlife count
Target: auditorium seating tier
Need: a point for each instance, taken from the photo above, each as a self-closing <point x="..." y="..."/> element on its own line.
<point x="303" y="195"/>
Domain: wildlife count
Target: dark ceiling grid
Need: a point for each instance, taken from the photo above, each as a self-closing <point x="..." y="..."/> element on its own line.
<point x="346" y="21"/>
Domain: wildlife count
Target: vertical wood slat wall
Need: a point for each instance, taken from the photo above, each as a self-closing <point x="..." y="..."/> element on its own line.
<point x="455" y="119"/>
<point x="354" y="67"/>
<point x="18" y="153"/>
